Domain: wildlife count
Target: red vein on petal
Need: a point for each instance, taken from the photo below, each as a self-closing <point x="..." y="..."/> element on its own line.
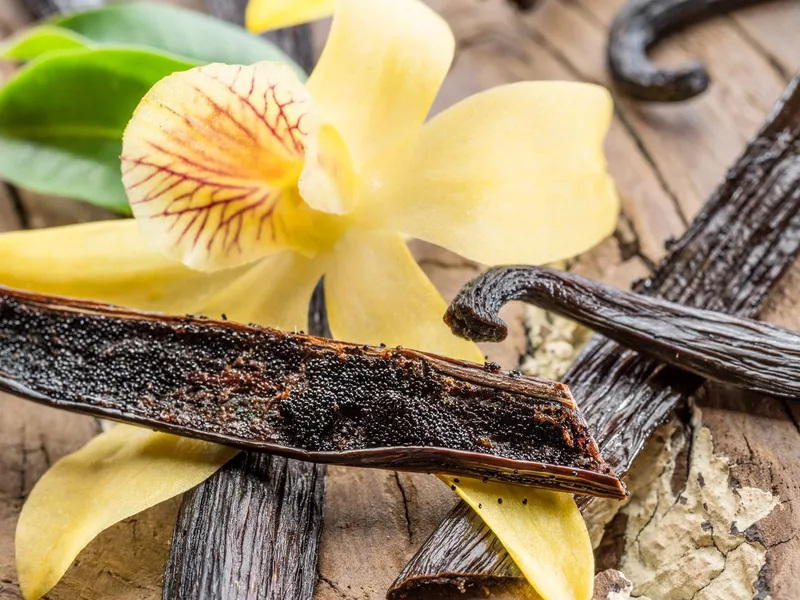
<point x="282" y="115"/>
<point x="133" y="186"/>
<point x="142" y="162"/>
<point x="221" y="110"/>
<point x="195" y="124"/>
<point x="192" y="163"/>
<point x="261" y="115"/>
<point x="155" y="195"/>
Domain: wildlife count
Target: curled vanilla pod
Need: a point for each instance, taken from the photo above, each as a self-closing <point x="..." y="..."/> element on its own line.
<point x="641" y="24"/>
<point x="298" y="396"/>
<point x="725" y="348"/>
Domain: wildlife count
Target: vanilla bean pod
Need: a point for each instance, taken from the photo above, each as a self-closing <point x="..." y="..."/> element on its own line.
<point x="742" y="352"/>
<point x="732" y="255"/>
<point x="295" y="395"/>
<point x="641" y="24"/>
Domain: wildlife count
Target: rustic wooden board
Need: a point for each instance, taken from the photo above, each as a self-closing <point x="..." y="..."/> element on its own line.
<point x="666" y="160"/>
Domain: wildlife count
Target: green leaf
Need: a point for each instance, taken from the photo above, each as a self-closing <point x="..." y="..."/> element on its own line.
<point x="62" y="118"/>
<point x="35" y="42"/>
<point x="192" y="35"/>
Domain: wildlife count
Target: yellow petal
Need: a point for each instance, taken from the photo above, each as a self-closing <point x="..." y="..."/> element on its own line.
<point x="376" y="293"/>
<point x="381" y="67"/>
<point x="262" y="15"/>
<point x="515" y="174"/>
<point x="210" y="161"/>
<point x="103" y="261"/>
<point x="328" y="180"/>
<point x="273" y="293"/>
<point x="546" y="536"/>
<point x="116" y="475"/>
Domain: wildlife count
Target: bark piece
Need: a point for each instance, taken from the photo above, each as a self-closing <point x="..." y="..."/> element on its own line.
<point x="737" y="248"/>
<point x="252" y="494"/>
<point x="612" y="585"/>
<point x="690" y="495"/>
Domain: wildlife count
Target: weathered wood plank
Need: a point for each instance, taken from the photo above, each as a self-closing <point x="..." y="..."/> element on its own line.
<point x="31" y="439"/>
<point x="9" y="213"/>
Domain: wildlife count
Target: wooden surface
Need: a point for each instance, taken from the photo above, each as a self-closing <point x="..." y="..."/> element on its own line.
<point x="666" y="160"/>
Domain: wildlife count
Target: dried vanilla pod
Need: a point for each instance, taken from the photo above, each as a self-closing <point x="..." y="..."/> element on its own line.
<point x="641" y="24"/>
<point x="742" y="352"/>
<point x="298" y="396"/>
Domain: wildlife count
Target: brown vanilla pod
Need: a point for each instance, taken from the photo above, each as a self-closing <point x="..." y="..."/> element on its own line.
<point x="298" y="396"/>
<point x="742" y="352"/>
<point x="639" y="25"/>
<point x="734" y="252"/>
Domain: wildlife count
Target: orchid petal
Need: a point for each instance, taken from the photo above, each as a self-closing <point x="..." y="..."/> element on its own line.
<point x="543" y="532"/>
<point x="328" y="180"/>
<point x="103" y="261"/>
<point x="515" y="174"/>
<point x="376" y="293"/>
<point x="116" y="475"/>
<point x="382" y="65"/>
<point x="210" y="162"/>
<point x="262" y="15"/>
<point x="273" y="293"/>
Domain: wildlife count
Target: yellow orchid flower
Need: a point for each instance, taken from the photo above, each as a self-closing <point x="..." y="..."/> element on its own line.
<point x="248" y="186"/>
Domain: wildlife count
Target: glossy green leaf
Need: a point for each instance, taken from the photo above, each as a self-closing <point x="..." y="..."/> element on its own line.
<point x="31" y="43"/>
<point x="192" y="35"/>
<point x="62" y="118"/>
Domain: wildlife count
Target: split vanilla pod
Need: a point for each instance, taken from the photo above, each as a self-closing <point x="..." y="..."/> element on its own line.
<point x="296" y="395"/>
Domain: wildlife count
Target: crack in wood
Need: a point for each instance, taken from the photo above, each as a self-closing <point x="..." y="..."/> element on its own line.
<point x="18" y="205"/>
<point x="785" y="402"/>
<point x="631" y="248"/>
<point x="405" y="505"/>
<point x="590" y="16"/>
<point x="23" y="464"/>
<point x="759" y="48"/>
<point x="336" y="589"/>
